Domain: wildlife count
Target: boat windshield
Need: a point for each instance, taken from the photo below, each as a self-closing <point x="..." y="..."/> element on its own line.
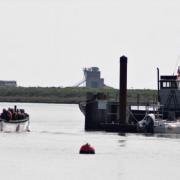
<point x="170" y="84"/>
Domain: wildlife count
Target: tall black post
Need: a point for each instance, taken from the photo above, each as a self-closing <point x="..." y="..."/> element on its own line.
<point x="123" y="89"/>
<point x="158" y="84"/>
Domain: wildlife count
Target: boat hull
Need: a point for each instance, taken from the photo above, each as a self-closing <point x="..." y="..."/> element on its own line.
<point x="152" y="125"/>
<point x="15" y="126"/>
<point x="168" y="127"/>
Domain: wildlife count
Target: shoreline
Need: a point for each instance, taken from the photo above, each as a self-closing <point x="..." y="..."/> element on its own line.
<point x="41" y="100"/>
<point x="70" y="95"/>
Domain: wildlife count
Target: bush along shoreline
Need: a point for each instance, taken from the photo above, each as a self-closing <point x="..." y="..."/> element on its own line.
<point x="70" y="95"/>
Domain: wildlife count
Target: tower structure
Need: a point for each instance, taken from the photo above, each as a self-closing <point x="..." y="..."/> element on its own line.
<point x="93" y="78"/>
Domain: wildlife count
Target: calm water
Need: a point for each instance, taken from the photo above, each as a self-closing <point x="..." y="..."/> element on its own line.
<point x="50" y="150"/>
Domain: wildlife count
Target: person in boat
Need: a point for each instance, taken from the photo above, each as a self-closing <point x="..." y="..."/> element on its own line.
<point x="6" y="114"/>
<point x="19" y="114"/>
<point x="24" y="114"/>
<point x="15" y="115"/>
<point x="9" y="115"/>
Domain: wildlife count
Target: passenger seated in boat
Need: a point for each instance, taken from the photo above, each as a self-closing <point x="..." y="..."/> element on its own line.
<point x="20" y="115"/>
<point x="9" y="115"/>
<point x="6" y="114"/>
<point x="14" y="116"/>
<point x="24" y="113"/>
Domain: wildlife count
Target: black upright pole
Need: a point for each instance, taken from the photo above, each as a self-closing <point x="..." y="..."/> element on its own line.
<point x="123" y="89"/>
<point x="158" y="84"/>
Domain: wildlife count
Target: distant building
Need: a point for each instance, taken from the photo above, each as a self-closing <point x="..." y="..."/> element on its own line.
<point x="93" y="78"/>
<point x="8" y="83"/>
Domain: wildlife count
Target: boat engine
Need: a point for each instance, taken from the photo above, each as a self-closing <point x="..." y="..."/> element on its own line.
<point x="147" y="124"/>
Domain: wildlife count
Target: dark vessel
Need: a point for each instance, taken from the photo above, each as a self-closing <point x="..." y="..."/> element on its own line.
<point x="115" y="116"/>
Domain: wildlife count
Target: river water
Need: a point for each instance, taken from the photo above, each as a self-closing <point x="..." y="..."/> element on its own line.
<point x="51" y="150"/>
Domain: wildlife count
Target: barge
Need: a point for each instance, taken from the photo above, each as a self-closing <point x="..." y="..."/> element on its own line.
<point x="115" y="116"/>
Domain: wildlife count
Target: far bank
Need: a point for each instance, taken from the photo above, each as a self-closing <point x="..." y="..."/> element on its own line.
<point x="70" y="95"/>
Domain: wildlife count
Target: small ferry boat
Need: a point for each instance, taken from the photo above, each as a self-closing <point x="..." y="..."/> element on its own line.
<point x="14" y="120"/>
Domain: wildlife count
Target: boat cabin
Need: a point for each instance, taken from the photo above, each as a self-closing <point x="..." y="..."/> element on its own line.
<point x="168" y="99"/>
<point x="169" y="96"/>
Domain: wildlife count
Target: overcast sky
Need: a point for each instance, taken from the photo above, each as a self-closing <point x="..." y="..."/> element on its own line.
<point x="49" y="42"/>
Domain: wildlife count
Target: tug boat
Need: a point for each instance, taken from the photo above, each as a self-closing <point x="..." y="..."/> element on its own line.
<point x="14" y="120"/>
<point x="167" y="117"/>
<point x="86" y="149"/>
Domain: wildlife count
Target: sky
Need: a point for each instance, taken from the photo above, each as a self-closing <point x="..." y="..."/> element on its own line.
<point x="49" y="42"/>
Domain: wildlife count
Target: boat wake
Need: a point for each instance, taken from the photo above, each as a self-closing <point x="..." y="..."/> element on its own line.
<point x="58" y="133"/>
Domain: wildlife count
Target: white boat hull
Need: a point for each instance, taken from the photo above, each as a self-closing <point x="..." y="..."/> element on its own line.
<point x="15" y="127"/>
<point x="168" y="127"/>
<point x="150" y="124"/>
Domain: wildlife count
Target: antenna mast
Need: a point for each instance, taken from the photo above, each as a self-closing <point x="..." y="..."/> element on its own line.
<point x="177" y="62"/>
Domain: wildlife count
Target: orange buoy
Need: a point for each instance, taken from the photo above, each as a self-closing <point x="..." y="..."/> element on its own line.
<point x="87" y="149"/>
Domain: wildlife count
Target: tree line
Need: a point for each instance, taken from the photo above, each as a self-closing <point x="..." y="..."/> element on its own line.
<point x="69" y="94"/>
